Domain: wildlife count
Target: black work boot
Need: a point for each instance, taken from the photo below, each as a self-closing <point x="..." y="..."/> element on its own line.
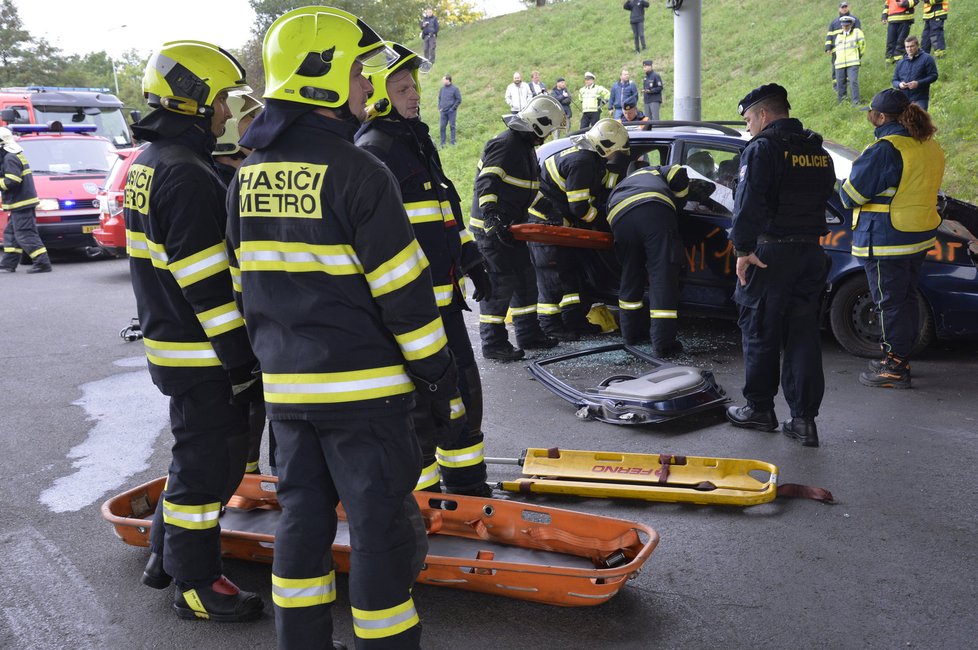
<point x="747" y="418"/>
<point x="222" y="601"/>
<point x="501" y="352"/>
<point x="478" y="490"/>
<point x="802" y="429"/>
<point x="8" y="269"/>
<point x="664" y="351"/>
<point x="561" y="333"/>
<point x="876" y="364"/>
<point x="40" y="267"/>
<point x="153" y="575"/>
<point x="539" y="342"/>
<point x="891" y="373"/>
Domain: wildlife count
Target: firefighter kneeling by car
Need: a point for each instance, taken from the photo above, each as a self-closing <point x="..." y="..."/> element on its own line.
<point x="642" y="211"/>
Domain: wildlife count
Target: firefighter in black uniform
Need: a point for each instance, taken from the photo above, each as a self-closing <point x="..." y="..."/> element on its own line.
<point x="228" y="156"/>
<point x="573" y="189"/>
<point x="338" y="301"/>
<point x="194" y="335"/>
<point x="506" y="184"/>
<point x="786" y="176"/>
<point x="396" y="135"/>
<point x="643" y="212"/>
<point x="19" y="199"/>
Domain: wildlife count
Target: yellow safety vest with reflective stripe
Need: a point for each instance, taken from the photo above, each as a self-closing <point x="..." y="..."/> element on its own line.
<point x="849" y="48"/>
<point x="17" y="182"/>
<point x="935" y="9"/>
<point x="592" y="97"/>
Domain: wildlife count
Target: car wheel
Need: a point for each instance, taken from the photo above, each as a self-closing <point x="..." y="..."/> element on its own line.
<point x="855" y="323"/>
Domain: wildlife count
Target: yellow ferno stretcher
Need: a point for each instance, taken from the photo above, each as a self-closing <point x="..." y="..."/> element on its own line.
<point x="662" y="477"/>
<point x="494" y="546"/>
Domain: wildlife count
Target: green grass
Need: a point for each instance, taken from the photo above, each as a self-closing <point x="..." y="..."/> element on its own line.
<point x="744" y="45"/>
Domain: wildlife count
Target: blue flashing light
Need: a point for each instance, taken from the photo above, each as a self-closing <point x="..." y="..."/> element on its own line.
<point x="46" y="128"/>
<point x="69" y="203"/>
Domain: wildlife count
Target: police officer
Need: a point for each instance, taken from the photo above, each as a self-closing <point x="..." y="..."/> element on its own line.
<point x="892" y="190"/>
<point x="786" y="176"/>
<point x="19" y="199"/>
<point x="506" y="184"/>
<point x="643" y="213"/>
<point x="338" y="300"/>
<point x="573" y="189"/>
<point x="194" y="335"/>
<point x="398" y="137"/>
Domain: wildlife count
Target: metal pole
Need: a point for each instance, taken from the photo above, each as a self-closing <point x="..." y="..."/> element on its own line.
<point x="687" y="98"/>
<point x="115" y="76"/>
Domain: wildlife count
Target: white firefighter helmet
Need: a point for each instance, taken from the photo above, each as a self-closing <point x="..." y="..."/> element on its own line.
<point x="606" y="137"/>
<point x="8" y="142"/>
<point x="542" y="116"/>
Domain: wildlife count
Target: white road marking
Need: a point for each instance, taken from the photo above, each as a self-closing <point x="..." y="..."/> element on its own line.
<point x="129" y="414"/>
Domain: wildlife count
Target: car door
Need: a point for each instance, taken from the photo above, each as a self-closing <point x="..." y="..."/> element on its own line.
<point x="709" y="275"/>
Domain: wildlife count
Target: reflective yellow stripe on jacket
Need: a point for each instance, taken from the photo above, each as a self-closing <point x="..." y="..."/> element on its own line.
<point x="336" y="387"/>
<point x="181" y="354"/>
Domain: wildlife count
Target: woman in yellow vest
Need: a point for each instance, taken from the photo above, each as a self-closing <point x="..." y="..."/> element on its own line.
<point x="892" y="190"/>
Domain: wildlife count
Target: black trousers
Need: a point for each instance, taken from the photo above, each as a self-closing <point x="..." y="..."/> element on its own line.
<point x="779" y="322"/>
<point x="210" y="446"/>
<point x="514" y="285"/>
<point x="559" y="300"/>
<point x="932" y="38"/>
<point x="896" y="34"/>
<point x="20" y="236"/>
<point x="650" y="249"/>
<point x="370" y="464"/>
<point x="589" y="119"/>
<point x="893" y="286"/>
<point x="638" y="32"/>
<point x="460" y="463"/>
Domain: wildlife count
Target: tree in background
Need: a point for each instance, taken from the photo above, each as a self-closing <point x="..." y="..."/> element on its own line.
<point x="394" y="21"/>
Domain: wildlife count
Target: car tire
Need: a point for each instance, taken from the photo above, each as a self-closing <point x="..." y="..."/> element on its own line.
<point x="854" y="323"/>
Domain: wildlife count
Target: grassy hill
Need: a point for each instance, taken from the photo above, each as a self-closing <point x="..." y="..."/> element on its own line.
<point x="745" y="44"/>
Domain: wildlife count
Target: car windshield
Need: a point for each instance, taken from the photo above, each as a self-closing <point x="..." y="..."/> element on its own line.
<point x="842" y="157"/>
<point x="109" y="121"/>
<point x="60" y="156"/>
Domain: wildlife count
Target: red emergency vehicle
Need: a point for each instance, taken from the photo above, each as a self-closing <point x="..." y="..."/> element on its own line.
<point x="110" y="235"/>
<point x="69" y="166"/>
<point x="69" y="106"/>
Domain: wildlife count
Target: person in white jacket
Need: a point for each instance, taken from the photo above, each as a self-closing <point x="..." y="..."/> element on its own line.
<point x="518" y="94"/>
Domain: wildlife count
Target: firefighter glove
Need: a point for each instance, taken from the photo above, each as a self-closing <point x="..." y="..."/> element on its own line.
<point x="441" y="398"/>
<point x="494" y="226"/>
<point x="246" y="384"/>
<point x="480" y="282"/>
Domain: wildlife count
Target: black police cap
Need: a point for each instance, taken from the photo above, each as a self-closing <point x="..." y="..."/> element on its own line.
<point x="891" y="101"/>
<point x="767" y="91"/>
<point x="628" y="105"/>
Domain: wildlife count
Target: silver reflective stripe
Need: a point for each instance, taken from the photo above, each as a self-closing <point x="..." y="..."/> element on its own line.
<point x="214" y="260"/>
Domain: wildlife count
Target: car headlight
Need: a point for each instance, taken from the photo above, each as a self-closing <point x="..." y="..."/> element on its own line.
<point x="48" y="205"/>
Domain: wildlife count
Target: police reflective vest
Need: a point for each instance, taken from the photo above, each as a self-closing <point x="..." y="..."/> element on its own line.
<point x="592" y="97"/>
<point x="786" y="177"/>
<point x="174" y="206"/>
<point x="507" y="179"/>
<point x="835" y="28"/>
<point x="333" y="284"/>
<point x="429" y="199"/>
<point x="893" y="190"/>
<point x="935" y="9"/>
<point x="571" y="182"/>
<point x="645" y="186"/>
<point x="849" y="48"/>
<point x="17" y="183"/>
<point x="898" y="10"/>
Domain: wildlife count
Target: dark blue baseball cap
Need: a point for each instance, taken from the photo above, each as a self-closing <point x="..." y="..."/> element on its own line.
<point x="891" y="101"/>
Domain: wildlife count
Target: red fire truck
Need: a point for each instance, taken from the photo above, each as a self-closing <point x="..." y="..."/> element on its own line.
<point x="69" y="106"/>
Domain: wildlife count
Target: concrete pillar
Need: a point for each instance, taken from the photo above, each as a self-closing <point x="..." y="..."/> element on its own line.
<point x="687" y="99"/>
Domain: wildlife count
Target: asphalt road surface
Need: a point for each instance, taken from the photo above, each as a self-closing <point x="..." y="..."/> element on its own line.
<point x="892" y="564"/>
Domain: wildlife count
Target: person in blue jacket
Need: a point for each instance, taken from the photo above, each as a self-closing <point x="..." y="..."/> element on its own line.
<point x="915" y="73"/>
<point x="623" y="92"/>
<point x="892" y="190"/>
